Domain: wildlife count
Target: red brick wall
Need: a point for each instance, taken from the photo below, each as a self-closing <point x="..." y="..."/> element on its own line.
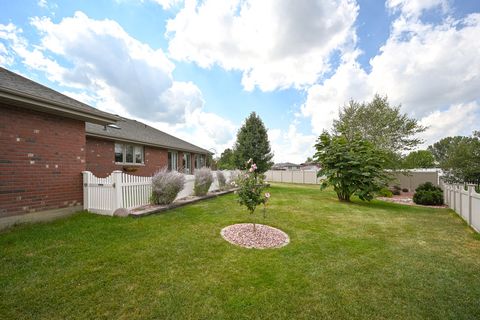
<point x="101" y="158"/>
<point x="41" y="160"/>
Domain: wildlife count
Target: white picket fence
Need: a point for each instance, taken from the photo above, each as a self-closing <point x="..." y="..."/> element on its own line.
<point x="465" y="203"/>
<point x="121" y="190"/>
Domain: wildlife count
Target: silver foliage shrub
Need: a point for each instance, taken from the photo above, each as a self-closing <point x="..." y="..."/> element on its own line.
<point x="222" y="182"/>
<point x="203" y="181"/>
<point x="166" y="185"/>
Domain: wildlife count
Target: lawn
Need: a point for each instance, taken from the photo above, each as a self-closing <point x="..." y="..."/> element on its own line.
<point x="345" y="261"/>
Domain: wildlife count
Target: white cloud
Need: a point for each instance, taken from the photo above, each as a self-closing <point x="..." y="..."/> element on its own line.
<point x="459" y="119"/>
<point x="274" y="43"/>
<point x="436" y="66"/>
<point x="423" y="67"/>
<point x="106" y="59"/>
<point x="168" y="4"/>
<point x="291" y="146"/>
<point x="415" y="8"/>
<point x="42" y="3"/>
<point x="323" y="101"/>
<point x="117" y="73"/>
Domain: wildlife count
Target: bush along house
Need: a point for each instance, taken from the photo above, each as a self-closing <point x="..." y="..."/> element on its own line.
<point x="47" y="139"/>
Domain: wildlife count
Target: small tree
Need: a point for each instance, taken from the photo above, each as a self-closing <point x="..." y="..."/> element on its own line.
<point x="250" y="190"/>
<point x="350" y="166"/>
<point x="252" y="143"/>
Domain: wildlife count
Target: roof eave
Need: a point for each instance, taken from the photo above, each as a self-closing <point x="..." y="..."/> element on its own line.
<point x="44" y="105"/>
<point x="107" y="137"/>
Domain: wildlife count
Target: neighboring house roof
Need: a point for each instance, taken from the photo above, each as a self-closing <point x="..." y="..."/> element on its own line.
<point x="20" y="91"/>
<point x="285" y="165"/>
<point x="138" y="132"/>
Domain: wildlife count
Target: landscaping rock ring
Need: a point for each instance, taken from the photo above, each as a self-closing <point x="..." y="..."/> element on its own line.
<point x="263" y="237"/>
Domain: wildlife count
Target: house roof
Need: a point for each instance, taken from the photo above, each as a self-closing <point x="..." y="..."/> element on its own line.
<point x="137" y="132"/>
<point x="22" y="92"/>
<point x="285" y="164"/>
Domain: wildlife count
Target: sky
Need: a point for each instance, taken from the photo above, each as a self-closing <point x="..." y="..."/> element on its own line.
<point x="197" y="69"/>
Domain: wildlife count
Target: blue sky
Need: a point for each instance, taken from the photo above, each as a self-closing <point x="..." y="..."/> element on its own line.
<point x="196" y="69"/>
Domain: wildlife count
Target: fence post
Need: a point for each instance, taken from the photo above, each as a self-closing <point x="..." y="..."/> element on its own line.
<point x="461" y="188"/>
<point x="86" y="200"/>
<point x="471" y="188"/>
<point x="454" y="188"/>
<point x="117" y="190"/>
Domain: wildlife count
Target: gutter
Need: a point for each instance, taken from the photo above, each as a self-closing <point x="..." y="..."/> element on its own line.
<point x="96" y="135"/>
<point x="49" y="106"/>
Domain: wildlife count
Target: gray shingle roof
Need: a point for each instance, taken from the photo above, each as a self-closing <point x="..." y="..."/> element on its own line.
<point x="14" y="87"/>
<point x="27" y="91"/>
<point x="135" y="131"/>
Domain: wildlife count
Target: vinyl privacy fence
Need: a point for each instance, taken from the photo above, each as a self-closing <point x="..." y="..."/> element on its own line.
<point x="292" y="176"/>
<point x="465" y="201"/>
<point x="121" y="190"/>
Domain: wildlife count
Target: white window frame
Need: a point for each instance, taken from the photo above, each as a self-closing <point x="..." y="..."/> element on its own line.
<point x="187" y="168"/>
<point x="200" y="161"/>
<point x="124" y="154"/>
<point x="174" y="164"/>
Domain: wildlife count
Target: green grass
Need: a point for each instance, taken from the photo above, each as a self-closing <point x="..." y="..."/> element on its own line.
<point x="345" y="261"/>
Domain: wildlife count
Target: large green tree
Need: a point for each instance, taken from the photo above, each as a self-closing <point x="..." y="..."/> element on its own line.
<point x="380" y="123"/>
<point x="227" y="160"/>
<point x="459" y="158"/>
<point x="351" y="166"/>
<point x="252" y="143"/>
<point x="419" y="159"/>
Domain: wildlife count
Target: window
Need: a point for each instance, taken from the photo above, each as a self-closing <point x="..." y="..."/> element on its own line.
<point x="128" y="153"/>
<point x="187" y="163"/>
<point x="199" y="161"/>
<point x="172" y="161"/>
<point x="118" y="152"/>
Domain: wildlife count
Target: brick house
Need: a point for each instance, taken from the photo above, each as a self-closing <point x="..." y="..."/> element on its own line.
<point x="47" y="139"/>
<point x="137" y="148"/>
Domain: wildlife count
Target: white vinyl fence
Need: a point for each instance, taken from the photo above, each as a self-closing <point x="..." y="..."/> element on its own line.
<point x="121" y="190"/>
<point x="465" y="202"/>
<point x="292" y="176"/>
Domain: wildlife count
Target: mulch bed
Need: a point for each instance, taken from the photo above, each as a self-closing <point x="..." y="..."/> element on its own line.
<point x="263" y="237"/>
<point x="406" y="199"/>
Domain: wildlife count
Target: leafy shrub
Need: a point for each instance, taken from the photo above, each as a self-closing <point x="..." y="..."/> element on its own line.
<point x="428" y="194"/>
<point x="351" y="166"/>
<point x="428" y="186"/>
<point x="165" y="186"/>
<point x="203" y="181"/>
<point x="222" y="182"/>
<point x="404" y="190"/>
<point x="384" y="192"/>
<point x="429" y="198"/>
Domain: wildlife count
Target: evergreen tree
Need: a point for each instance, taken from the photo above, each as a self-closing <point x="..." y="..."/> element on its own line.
<point x="252" y="143"/>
